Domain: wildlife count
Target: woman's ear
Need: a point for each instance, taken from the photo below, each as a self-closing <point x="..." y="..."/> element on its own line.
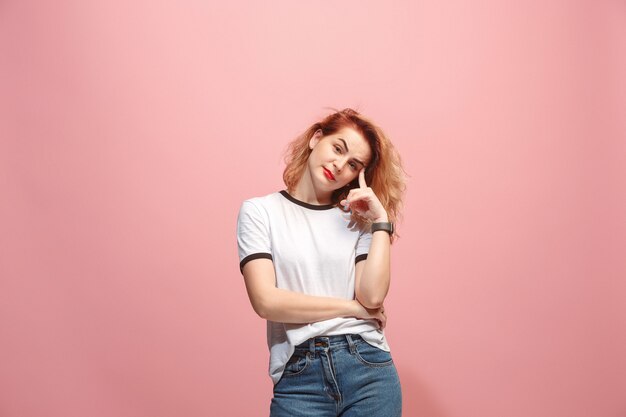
<point x="315" y="138"/>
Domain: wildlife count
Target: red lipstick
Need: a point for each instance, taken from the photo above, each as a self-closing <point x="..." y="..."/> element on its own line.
<point x="329" y="175"/>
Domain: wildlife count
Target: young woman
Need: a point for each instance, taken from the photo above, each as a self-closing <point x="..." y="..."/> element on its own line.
<point x="315" y="260"/>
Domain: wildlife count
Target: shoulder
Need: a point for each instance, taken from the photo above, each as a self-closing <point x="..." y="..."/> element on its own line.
<point x="262" y="202"/>
<point x="260" y="206"/>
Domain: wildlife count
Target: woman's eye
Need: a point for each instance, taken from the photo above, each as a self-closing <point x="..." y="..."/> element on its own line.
<point x="337" y="149"/>
<point x="352" y="165"/>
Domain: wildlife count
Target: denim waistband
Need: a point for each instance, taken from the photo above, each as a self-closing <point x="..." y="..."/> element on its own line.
<point x="322" y="342"/>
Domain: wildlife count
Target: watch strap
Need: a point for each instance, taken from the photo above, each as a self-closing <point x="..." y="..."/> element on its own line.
<point x="386" y="226"/>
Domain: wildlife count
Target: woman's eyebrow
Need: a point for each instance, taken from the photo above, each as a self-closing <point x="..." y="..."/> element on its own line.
<point x="345" y="145"/>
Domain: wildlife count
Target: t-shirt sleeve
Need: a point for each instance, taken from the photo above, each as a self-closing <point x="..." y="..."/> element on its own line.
<point x="363" y="246"/>
<point x="253" y="235"/>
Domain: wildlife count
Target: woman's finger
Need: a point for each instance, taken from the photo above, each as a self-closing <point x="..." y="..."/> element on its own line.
<point x="358" y="194"/>
<point x="362" y="183"/>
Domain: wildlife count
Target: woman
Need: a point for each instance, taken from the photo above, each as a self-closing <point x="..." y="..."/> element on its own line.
<point x="315" y="260"/>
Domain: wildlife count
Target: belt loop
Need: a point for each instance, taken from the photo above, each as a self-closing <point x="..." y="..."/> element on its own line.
<point x="351" y="344"/>
<point x="312" y="345"/>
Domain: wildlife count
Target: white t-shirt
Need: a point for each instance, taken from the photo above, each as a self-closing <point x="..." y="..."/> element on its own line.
<point x="314" y="249"/>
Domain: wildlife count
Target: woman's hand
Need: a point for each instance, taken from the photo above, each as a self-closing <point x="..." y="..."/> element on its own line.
<point x="364" y="202"/>
<point x="377" y="314"/>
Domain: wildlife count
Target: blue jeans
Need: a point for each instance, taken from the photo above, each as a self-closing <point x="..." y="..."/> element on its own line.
<point x="338" y="376"/>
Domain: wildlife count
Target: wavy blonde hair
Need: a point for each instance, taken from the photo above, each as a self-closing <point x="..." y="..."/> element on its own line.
<point x="384" y="174"/>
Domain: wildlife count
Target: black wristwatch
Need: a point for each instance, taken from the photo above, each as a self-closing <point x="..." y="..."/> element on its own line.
<point x="386" y="226"/>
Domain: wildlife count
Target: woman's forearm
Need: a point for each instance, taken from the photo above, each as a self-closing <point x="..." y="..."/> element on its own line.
<point x="373" y="283"/>
<point x="286" y="306"/>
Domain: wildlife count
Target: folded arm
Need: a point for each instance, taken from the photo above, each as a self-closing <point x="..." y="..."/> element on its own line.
<point x="284" y="306"/>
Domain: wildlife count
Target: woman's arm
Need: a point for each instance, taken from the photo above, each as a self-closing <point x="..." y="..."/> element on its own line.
<point x="280" y="305"/>
<point x="372" y="276"/>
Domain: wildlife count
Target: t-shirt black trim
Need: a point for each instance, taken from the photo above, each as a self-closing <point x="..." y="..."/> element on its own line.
<point x="360" y="258"/>
<point x="306" y="205"/>
<point x="253" y="257"/>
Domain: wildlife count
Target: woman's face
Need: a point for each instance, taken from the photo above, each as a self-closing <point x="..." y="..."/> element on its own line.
<point x="337" y="159"/>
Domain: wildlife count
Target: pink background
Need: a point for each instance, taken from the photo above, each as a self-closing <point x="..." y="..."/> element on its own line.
<point x="130" y="134"/>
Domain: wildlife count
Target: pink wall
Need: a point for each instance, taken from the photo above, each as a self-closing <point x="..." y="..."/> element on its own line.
<point x="130" y="134"/>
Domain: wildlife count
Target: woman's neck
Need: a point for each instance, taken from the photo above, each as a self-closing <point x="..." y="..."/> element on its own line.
<point x="305" y="192"/>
